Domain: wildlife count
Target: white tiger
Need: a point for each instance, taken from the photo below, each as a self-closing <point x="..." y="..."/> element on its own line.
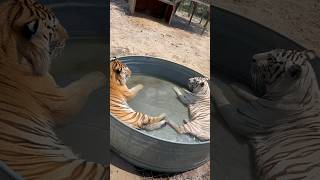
<point x="198" y="102"/>
<point x="283" y="123"/>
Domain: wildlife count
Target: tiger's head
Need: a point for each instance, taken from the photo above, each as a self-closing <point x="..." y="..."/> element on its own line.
<point x="119" y="72"/>
<point x="37" y="32"/>
<point x="279" y="69"/>
<point x="198" y="84"/>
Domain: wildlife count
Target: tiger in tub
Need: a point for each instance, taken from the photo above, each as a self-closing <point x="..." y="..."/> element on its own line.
<point x="32" y="103"/>
<point x="281" y="118"/>
<point x="120" y="94"/>
<point x="198" y="102"/>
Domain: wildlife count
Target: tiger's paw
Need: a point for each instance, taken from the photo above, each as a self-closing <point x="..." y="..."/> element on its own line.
<point x="216" y="90"/>
<point x="155" y="126"/>
<point x="235" y="87"/>
<point x="139" y="87"/>
<point x="186" y="91"/>
<point x="185" y="121"/>
<point x="161" y="123"/>
<point x="162" y="116"/>
<point x="96" y="79"/>
<point x="177" y="91"/>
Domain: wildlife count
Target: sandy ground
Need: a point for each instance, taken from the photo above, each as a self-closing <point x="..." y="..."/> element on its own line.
<point x="143" y="35"/>
<point x="180" y="43"/>
<point x="296" y="19"/>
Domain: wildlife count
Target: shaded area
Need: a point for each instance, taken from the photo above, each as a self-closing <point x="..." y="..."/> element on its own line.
<point x="85" y="133"/>
<point x="133" y="172"/>
<point x="236" y="40"/>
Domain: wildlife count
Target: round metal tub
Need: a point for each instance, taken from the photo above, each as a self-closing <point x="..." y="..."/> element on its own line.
<point x="151" y="152"/>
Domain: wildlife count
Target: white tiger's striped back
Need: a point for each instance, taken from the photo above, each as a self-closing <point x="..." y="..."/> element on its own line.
<point x="199" y="110"/>
<point x="289" y="147"/>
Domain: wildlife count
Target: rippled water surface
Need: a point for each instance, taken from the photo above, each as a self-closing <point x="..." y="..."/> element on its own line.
<point x="158" y="97"/>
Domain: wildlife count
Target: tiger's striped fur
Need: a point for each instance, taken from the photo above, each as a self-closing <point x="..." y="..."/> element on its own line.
<point x="120" y="94"/>
<point x="198" y="102"/>
<point x="31" y="103"/>
<point x="283" y="123"/>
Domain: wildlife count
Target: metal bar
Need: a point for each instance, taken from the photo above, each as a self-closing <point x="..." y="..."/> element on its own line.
<point x="205" y="25"/>
<point x="194" y="9"/>
<point x="172" y="13"/>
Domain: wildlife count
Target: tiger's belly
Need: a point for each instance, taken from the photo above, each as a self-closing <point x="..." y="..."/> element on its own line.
<point x="123" y="112"/>
<point x="27" y="142"/>
<point x="290" y="154"/>
<point x="199" y="124"/>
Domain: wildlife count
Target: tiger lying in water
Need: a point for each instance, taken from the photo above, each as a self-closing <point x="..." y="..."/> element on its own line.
<point x="31" y="102"/>
<point x="198" y="102"/>
<point x="283" y="123"/>
<point x="120" y="94"/>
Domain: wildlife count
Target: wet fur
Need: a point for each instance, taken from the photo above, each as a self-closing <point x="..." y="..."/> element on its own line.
<point x="120" y="94"/>
<point x="282" y="124"/>
<point x="198" y="103"/>
<point x="31" y="103"/>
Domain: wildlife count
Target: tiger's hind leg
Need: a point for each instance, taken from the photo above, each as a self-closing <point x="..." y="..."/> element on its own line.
<point x="154" y="126"/>
<point x="157" y="119"/>
<point x="178" y="129"/>
<point x="152" y="123"/>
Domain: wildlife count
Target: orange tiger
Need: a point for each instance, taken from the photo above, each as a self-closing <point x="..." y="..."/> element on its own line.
<point x="31" y="102"/>
<point x="120" y="94"/>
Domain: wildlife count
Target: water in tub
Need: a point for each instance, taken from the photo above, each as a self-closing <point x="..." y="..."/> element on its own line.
<point x="157" y="97"/>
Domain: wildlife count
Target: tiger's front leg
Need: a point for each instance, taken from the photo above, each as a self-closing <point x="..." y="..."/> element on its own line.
<point x="237" y="121"/>
<point x="134" y="91"/>
<point x="76" y="94"/>
<point x="242" y="93"/>
<point x="181" y="97"/>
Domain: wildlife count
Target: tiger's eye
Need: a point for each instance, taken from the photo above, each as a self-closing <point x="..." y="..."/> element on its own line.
<point x="118" y="71"/>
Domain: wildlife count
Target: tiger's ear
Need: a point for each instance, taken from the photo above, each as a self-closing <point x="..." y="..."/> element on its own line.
<point x="118" y="71"/>
<point x="311" y="54"/>
<point x="30" y="29"/>
<point x="113" y="58"/>
<point x="206" y="78"/>
<point x="295" y="71"/>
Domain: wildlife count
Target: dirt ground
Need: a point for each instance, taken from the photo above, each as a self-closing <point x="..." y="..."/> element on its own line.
<point x="180" y="43"/>
<point x="143" y="35"/>
<point x="296" y="19"/>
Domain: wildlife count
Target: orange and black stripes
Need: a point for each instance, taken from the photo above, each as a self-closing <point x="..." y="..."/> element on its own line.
<point x="28" y="143"/>
<point x="119" y="94"/>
